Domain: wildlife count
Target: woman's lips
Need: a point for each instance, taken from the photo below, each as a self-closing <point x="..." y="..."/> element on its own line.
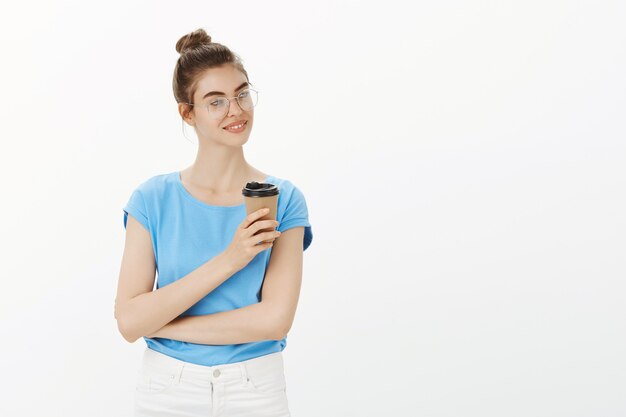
<point x="241" y="129"/>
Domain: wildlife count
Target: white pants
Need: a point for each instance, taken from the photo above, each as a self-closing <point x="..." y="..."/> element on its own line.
<point x="168" y="387"/>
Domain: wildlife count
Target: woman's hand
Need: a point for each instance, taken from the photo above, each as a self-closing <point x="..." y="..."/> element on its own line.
<point x="245" y="244"/>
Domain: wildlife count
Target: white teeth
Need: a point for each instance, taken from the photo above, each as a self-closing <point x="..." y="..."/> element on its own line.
<point x="236" y="126"/>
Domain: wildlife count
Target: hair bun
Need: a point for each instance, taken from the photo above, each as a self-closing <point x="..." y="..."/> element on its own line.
<point x="192" y="40"/>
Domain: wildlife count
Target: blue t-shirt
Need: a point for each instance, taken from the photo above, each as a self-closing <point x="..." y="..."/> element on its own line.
<point x="186" y="233"/>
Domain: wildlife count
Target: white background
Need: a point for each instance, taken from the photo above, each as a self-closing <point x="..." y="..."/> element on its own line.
<point x="463" y="165"/>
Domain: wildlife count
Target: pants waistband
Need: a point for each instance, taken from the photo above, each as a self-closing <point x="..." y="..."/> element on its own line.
<point x="161" y="363"/>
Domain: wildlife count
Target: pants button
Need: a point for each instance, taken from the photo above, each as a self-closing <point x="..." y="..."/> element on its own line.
<point x="216" y="373"/>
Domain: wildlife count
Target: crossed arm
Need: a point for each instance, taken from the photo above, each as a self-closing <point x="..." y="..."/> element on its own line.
<point x="269" y="319"/>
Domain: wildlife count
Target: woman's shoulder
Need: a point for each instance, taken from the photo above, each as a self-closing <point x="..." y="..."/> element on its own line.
<point x="289" y="190"/>
<point x="156" y="184"/>
<point x="282" y="182"/>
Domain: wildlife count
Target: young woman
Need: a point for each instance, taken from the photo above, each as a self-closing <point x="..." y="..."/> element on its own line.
<point x="216" y="325"/>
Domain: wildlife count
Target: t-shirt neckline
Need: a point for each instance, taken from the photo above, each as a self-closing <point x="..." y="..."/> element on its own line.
<point x="190" y="197"/>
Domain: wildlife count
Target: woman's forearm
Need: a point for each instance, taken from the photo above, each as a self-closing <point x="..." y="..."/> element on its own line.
<point x="251" y="323"/>
<point x="152" y="310"/>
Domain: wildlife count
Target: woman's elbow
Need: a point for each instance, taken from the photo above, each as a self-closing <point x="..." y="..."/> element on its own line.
<point x="124" y="329"/>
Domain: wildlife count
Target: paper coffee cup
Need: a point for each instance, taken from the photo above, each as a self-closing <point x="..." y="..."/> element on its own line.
<point x="258" y="195"/>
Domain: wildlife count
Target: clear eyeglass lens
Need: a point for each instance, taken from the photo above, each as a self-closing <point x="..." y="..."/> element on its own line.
<point x="219" y="105"/>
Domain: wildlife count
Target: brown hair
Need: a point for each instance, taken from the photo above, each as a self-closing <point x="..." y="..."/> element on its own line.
<point x="197" y="54"/>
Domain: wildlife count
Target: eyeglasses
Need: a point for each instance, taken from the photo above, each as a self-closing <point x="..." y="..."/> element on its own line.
<point x="218" y="107"/>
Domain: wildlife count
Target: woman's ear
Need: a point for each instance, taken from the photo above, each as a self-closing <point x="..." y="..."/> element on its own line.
<point x="185" y="112"/>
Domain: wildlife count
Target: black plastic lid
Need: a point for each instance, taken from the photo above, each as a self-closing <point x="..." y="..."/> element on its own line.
<point x="259" y="189"/>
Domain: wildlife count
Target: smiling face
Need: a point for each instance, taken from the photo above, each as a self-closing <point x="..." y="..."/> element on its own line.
<point x="213" y="86"/>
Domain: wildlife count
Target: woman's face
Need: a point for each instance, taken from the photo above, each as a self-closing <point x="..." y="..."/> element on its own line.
<point x="217" y="83"/>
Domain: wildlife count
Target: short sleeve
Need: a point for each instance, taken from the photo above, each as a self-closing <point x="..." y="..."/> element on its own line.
<point x="137" y="207"/>
<point x="297" y="214"/>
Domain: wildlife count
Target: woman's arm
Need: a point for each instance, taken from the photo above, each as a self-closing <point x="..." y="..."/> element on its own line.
<point x="140" y="310"/>
<point x="270" y="319"/>
<point x="251" y="323"/>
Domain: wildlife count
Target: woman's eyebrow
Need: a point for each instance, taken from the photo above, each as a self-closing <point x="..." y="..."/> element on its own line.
<point x="220" y="93"/>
